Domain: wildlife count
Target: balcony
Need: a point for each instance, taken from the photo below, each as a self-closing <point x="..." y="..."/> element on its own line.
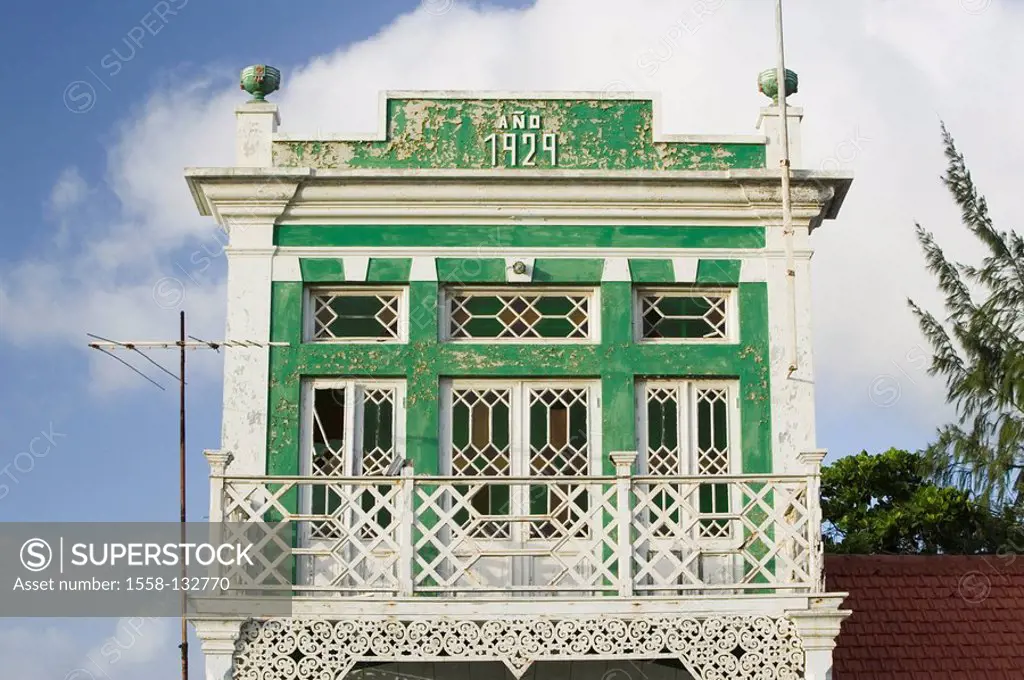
<point x="518" y="539"/>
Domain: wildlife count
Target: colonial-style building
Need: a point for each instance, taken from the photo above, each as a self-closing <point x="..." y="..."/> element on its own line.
<point x="530" y="388"/>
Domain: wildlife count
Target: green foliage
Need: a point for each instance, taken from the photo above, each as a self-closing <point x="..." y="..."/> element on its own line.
<point x="885" y="504"/>
<point x="980" y="353"/>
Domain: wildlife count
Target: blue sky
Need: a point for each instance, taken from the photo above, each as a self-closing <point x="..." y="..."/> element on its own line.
<point x="114" y="458"/>
<point x="100" y="126"/>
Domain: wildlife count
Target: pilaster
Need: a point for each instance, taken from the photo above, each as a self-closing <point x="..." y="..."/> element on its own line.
<point x="247" y="207"/>
<point x="256" y="122"/>
<point x="769" y="122"/>
<point x="793" y="421"/>
<point x="218" y="638"/>
<point x="818" y="628"/>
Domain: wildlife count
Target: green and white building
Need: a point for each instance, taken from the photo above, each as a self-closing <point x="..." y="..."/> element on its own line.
<point x="529" y="387"/>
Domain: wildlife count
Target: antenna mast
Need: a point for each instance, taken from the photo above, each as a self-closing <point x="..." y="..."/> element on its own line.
<point x="107" y="346"/>
<point x="787" y="208"/>
<point x="181" y="475"/>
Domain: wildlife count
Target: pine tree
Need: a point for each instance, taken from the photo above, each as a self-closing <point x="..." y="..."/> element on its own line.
<point x="978" y="350"/>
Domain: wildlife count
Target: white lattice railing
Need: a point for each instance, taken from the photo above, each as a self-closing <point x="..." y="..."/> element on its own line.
<point x="619" y="535"/>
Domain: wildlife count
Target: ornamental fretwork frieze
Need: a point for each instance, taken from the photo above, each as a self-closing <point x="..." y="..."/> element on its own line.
<point x="709" y="648"/>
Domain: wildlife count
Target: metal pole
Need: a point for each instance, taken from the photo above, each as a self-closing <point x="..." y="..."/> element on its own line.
<point x="787" y="209"/>
<point x="181" y="472"/>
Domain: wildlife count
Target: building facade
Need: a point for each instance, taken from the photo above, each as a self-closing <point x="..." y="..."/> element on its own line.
<point x="530" y="386"/>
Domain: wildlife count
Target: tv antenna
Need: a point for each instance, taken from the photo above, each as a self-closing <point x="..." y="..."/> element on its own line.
<point x="184" y="343"/>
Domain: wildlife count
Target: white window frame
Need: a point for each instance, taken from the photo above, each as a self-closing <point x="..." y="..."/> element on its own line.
<point x="687" y="435"/>
<point x="353" y="420"/>
<point x="519" y="433"/>
<point x="353" y="433"/>
<point x="732" y="316"/>
<point x="592" y="294"/>
<point x="519" y="453"/>
<point x="309" y="310"/>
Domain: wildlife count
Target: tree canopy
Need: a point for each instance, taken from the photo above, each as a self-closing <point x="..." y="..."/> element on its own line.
<point x="885" y="503"/>
<point x="978" y="349"/>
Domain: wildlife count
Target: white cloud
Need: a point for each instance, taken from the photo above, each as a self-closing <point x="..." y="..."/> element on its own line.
<point x="65" y="202"/>
<point x="133" y="646"/>
<point x="68" y="192"/>
<point x="876" y="77"/>
<point x="36" y="652"/>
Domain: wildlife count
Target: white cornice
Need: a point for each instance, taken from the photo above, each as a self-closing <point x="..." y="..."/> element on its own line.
<point x="306" y="196"/>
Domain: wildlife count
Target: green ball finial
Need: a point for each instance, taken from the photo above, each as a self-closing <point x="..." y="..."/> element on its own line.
<point x="260" y="80"/>
<point x="768" y="84"/>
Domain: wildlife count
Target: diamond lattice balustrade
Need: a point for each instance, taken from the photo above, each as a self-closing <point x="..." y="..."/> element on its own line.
<point x="407" y="535"/>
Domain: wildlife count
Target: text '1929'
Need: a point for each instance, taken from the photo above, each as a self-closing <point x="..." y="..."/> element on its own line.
<point x="522" y="142"/>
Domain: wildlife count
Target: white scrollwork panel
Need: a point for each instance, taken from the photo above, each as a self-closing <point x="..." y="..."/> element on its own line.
<point x="716" y="648"/>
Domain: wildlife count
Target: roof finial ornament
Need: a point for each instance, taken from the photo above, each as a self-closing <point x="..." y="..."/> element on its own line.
<point x="768" y="84"/>
<point x="259" y="80"/>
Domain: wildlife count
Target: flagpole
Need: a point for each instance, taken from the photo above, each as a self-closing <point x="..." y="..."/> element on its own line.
<point x="784" y="167"/>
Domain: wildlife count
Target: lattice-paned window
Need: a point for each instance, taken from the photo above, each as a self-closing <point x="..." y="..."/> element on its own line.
<point x="521" y="429"/>
<point x="687" y="429"/>
<point x="520" y="314"/>
<point x="481" y="446"/>
<point x="695" y="315"/>
<point x="559" y="446"/>
<point x="712" y="454"/>
<point x="356" y="315"/>
<point x="354" y="430"/>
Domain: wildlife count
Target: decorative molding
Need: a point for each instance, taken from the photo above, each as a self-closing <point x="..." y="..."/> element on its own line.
<point x="285" y="268"/>
<point x="756" y="270"/>
<point x="218" y="460"/>
<point x="753" y="269"/>
<point x="716" y="198"/>
<point x="616" y="269"/>
<point x="715" y="647"/>
<point x="236" y="252"/>
<point x="356" y="267"/>
<point x="519" y="261"/>
<point x="423" y="269"/>
<point x="685" y="269"/>
<point x="623" y="462"/>
<point x="819" y="625"/>
<point x="812" y="459"/>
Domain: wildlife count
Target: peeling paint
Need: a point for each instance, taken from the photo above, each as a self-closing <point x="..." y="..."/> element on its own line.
<point x="593" y="134"/>
<point x="617" y="361"/>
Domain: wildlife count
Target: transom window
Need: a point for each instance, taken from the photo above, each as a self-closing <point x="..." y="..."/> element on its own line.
<point x="356" y="315"/>
<point x="352" y="429"/>
<point x="688" y="429"/>
<point x="520" y="429"/>
<point x="520" y="314"/>
<point x="693" y="315"/>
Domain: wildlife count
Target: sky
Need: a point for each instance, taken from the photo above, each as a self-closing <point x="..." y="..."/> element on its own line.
<point x="108" y="102"/>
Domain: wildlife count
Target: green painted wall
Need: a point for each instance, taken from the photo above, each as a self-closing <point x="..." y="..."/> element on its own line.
<point x="517" y="236"/>
<point x="588" y="134"/>
<point x="617" y="362"/>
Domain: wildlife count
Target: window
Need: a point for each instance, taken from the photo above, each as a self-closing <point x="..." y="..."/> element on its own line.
<point x="685" y="315"/>
<point x="520" y="314"/>
<point x="352" y="429"/>
<point x="688" y="428"/>
<point x="356" y="315"/>
<point x="521" y="429"/>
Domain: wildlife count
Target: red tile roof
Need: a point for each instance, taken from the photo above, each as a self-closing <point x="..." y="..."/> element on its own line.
<point x="940" y="617"/>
